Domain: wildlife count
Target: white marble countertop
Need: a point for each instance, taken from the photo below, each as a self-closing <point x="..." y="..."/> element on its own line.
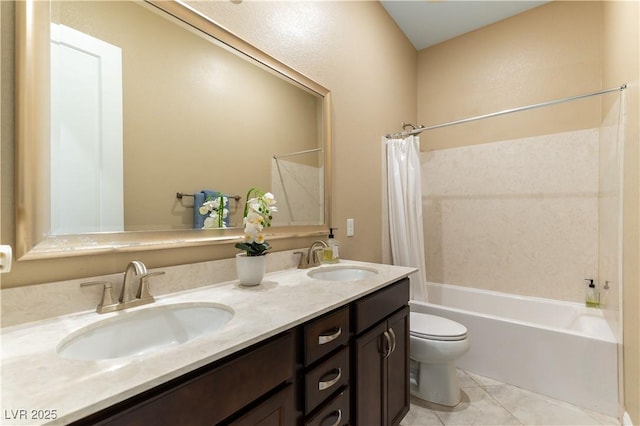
<point x="36" y="382"/>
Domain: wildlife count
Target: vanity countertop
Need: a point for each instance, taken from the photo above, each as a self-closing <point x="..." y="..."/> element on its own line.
<point x="37" y="383"/>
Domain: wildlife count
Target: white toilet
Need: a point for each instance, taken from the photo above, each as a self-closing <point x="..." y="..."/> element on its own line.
<point x="436" y="343"/>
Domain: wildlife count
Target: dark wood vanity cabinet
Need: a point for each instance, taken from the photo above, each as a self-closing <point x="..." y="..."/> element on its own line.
<point x="377" y="391"/>
<point x="347" y="367"/>
<point x="254" y="387"/>
<point x="381" y="356"/>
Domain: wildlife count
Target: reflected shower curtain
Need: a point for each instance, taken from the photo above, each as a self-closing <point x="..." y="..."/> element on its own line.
<point x="405" y="210"/>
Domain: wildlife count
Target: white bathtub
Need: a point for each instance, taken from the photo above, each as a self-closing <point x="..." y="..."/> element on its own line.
<point x="559" y="349"/>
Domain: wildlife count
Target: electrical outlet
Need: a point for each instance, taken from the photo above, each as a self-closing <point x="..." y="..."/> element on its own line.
<point x="350" y="230"/>
<point x="6" y="257"/>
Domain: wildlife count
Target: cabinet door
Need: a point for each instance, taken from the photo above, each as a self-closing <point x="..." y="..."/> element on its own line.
<point x="275" y="411"/>
<point x="369" y="368"/>
<point x="398" y="364"/>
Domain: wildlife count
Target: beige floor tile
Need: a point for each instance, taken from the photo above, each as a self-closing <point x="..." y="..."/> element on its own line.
<point x="465" y="380"/>
<point x="534" y="409"/>
<point x="477" y="408"/>
<point x="488" y="402"/>
<point x="420" y="415"/>
<point x="603" y="419"/>
<point x="483" y="381"/>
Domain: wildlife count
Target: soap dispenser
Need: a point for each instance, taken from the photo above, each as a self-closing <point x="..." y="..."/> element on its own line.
<point x="592" y="296"/>
<point x="331" y="253"/>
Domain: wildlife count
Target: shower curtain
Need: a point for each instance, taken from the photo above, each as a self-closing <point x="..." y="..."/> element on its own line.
<point x="404" y="194"/>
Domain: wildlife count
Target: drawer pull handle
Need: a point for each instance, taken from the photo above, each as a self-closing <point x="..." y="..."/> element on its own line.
<point x="333" y="413"/>
<point x="322" y="385"/>
<point x="323" y="339"/>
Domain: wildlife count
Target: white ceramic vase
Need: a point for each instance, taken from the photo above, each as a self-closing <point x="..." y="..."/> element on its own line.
<point x="250" y="269"/>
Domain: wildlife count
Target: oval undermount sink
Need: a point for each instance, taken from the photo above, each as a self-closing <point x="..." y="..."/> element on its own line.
<point x="144" y="331"/>
<point x="342" y="273"/>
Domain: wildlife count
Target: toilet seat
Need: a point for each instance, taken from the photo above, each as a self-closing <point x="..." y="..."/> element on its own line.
<point x="432" y="327"/>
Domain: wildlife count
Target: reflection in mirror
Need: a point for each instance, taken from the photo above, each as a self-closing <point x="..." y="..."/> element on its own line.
<point x="196" y="117"/>
<point x="87" y="185"/>
<point x="151" y="118"/>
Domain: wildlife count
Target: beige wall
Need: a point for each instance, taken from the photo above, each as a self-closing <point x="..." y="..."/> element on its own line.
<point x="621" y="64"/>
<point x="546" y="53"/>
<point x="6" y="117"/>
<point x="352" y="48"/>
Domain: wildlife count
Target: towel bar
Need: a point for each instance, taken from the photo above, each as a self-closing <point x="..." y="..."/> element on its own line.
<point x="179" y="196"/>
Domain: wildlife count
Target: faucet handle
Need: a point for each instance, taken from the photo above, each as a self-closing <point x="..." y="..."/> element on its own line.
<point x="303" y="259"/>
<point x="107" y="294"/>
<point x="143" y="290"/>
<point x="314" y="260"/>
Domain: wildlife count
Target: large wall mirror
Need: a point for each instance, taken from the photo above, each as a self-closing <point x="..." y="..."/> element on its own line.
<point x="131" y="114"/>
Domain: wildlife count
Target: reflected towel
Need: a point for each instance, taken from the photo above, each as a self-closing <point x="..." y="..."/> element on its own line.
<point x="198" y="200"/>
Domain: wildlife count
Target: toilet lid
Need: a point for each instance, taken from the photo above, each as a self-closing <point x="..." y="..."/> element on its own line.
<point x="436" y="328"/>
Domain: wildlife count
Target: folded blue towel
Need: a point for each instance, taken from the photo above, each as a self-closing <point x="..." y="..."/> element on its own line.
<point x="198" y="200"/>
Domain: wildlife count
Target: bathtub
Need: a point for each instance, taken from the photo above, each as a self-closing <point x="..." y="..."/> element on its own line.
<point x="560" y="349"/>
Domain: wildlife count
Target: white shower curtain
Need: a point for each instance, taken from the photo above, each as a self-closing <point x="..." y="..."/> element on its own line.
<point x="404" y="194"/>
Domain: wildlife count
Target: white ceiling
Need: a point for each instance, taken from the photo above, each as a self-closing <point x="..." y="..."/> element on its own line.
<point x="428" y="22"/>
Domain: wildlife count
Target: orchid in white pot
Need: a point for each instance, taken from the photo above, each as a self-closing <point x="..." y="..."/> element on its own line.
<point x="258" y="213"/>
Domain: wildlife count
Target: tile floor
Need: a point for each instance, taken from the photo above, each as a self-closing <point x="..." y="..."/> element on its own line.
<point x="489" y="402"/>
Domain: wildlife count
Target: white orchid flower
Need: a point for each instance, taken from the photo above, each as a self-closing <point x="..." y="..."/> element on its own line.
<point x="257" y="216"/>
<point x="210" y="223"/>
<point x="269" y="198"/>
<point x="253" y="217"/>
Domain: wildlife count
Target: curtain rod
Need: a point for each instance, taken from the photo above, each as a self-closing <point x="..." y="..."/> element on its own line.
<point x="420" y="129"/>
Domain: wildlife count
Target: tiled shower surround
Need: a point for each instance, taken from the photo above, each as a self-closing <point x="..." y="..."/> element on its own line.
<point x="299" y="192"/>
<point x="516" y="216"/>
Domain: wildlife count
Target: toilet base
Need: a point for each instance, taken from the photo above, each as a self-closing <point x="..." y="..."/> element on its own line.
<point x="437" y="383"/>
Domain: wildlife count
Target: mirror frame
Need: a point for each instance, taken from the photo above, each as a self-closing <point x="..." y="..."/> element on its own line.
<point x="32" y="146"/>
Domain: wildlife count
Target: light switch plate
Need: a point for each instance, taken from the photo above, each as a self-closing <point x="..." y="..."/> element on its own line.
<point x="350" y="229"/>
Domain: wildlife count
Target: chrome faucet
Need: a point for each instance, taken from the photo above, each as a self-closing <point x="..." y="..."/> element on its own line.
<point x="135" y="271"/>
<point x="310" y="258"/>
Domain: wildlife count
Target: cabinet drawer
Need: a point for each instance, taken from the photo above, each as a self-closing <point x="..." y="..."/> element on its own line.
<point x="325" y="334"/>
<point x="335" y="413"/>
<point x="325" y="379"/>
<point x="371" y="309"/>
